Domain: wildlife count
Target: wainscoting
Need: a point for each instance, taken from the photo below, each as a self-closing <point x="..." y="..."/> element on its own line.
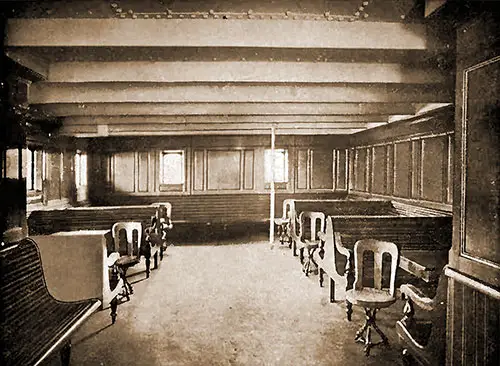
<point x="409" y="165"/>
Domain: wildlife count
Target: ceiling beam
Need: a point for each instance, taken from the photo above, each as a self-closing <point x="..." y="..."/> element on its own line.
<point x="223" y="126"/>
<point x="43" y="92"/>
<point x="35" y="63"/>
<point x="95" y="131"/>
<point x="61" y="32"/>
<point x="242" y="72"/>
<point x="176" y="109"/>
<point x="190" y="119"/>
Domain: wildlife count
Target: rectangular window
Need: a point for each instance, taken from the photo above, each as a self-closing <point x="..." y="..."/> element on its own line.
<point x="280" y="164"/>
<point x="80" y="169"/>
<point x="31" y="171"/>
<point x="172" y="170"/>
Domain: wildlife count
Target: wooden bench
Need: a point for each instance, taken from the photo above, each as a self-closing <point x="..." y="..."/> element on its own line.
<point x="335" y="207"/>
<point x="34" y="324"/>
<point x="84" y="255"/>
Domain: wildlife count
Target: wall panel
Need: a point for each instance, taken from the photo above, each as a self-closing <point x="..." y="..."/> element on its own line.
<point x="473" y="324"/>
<point x="54" y="176"/>
<point x="379" y="169"/>
<point x="402" y="168"/>
<point x="341" y="171"/>
<point x="143" y="171"/>
<point x="124" y="172"/>
<point x="199" y="170"/>
<point x="302" y="172"/>
<point x="223" y="169"/>
<point x="416" y="169"/>
<point x="361" y="168"/>
<point x="321" y="169"/>
<point x="434" y="168"/>
<point x="248" y="169"/>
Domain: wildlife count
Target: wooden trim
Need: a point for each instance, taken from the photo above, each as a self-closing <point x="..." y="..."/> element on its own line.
<point x="410" y="201"/>
<point x="449" y="185"/>
<point x="463" y="169"/>
<point x="472" y="283"/>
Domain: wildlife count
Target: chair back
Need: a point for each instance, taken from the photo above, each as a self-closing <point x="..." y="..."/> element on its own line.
<point x="127" y="227"/>
<point x="378" y="248"/>
<point x="313" y="218"/>
<point x="288" y="207"/>
<point x="164" y="210"/>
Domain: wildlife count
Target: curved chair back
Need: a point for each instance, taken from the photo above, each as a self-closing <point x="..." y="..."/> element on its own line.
<point x="378" y="248"/>
<point x="128" y="227"/>
<point x="288" y="207"/>
<point x="164" y="210"/>
<point x="314" y="218"/>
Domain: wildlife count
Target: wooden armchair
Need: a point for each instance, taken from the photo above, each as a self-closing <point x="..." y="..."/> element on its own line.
<point x="424" y="337"/>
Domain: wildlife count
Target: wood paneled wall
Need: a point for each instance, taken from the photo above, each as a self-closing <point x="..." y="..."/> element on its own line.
<point x="411" y="165"/>
<point x="213" y="165"/>
<point x="473" y="324"/>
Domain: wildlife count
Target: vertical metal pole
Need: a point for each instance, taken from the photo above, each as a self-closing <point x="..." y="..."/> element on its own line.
<point x="271" y="221"/>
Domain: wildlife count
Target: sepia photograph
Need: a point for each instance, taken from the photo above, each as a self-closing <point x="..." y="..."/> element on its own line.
<point x="249" y="182"/>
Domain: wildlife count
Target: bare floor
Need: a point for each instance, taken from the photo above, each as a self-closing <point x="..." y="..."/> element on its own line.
<point x="234" y="304"/>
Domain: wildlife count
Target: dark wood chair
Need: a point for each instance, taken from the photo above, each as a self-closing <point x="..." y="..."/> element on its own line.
<point x="161" y="223"/>
<point x="283" y="223"/>
<point x="423" y="335"/>
<point x="373" y="298"/>
<point x="123" y="233"/>
<point x="311" y="224"/>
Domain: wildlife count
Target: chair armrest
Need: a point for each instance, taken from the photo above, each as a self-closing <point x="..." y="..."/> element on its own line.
<point x="417" y="297"/>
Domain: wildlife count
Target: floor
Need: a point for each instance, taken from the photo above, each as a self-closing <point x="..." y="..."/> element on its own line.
<point x="230" y="303"/>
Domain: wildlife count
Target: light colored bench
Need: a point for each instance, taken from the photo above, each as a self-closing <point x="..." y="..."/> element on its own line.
<point x="76" y="266"/>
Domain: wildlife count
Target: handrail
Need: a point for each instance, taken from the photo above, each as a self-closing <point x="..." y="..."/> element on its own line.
<point x="472" y="283"/>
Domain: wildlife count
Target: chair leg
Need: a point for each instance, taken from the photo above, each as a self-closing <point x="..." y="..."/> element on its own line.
<point x="332" y="290"/>
<point x="148" y="266"/>
<point x="155" y="261"/>
<point x="363" y="335"/>
<point x="348" y="310"/>
<point x="65" y="353"/>
<point x="114" y="305"/>
<point x="321" y="274"/>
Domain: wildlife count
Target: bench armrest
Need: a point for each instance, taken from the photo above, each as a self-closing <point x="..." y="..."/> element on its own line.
<point x="321" y="236"/>
<point x="340" y="247"/>
<point x="417" y="297"/>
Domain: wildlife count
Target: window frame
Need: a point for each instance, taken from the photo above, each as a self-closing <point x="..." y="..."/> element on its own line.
<point x="181" y="184"/>
<point x="281" y="183"/>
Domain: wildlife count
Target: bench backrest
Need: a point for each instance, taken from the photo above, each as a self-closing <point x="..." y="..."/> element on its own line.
<point x="346" y="207"/>
<point x="410" y="233"/>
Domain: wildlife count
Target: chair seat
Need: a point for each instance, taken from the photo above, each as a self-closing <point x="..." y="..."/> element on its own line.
<point x="281" y="221"/>
<point x="370" y="298"/>
<point x="311" y="244"/>
<point x="127" y="261"/>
